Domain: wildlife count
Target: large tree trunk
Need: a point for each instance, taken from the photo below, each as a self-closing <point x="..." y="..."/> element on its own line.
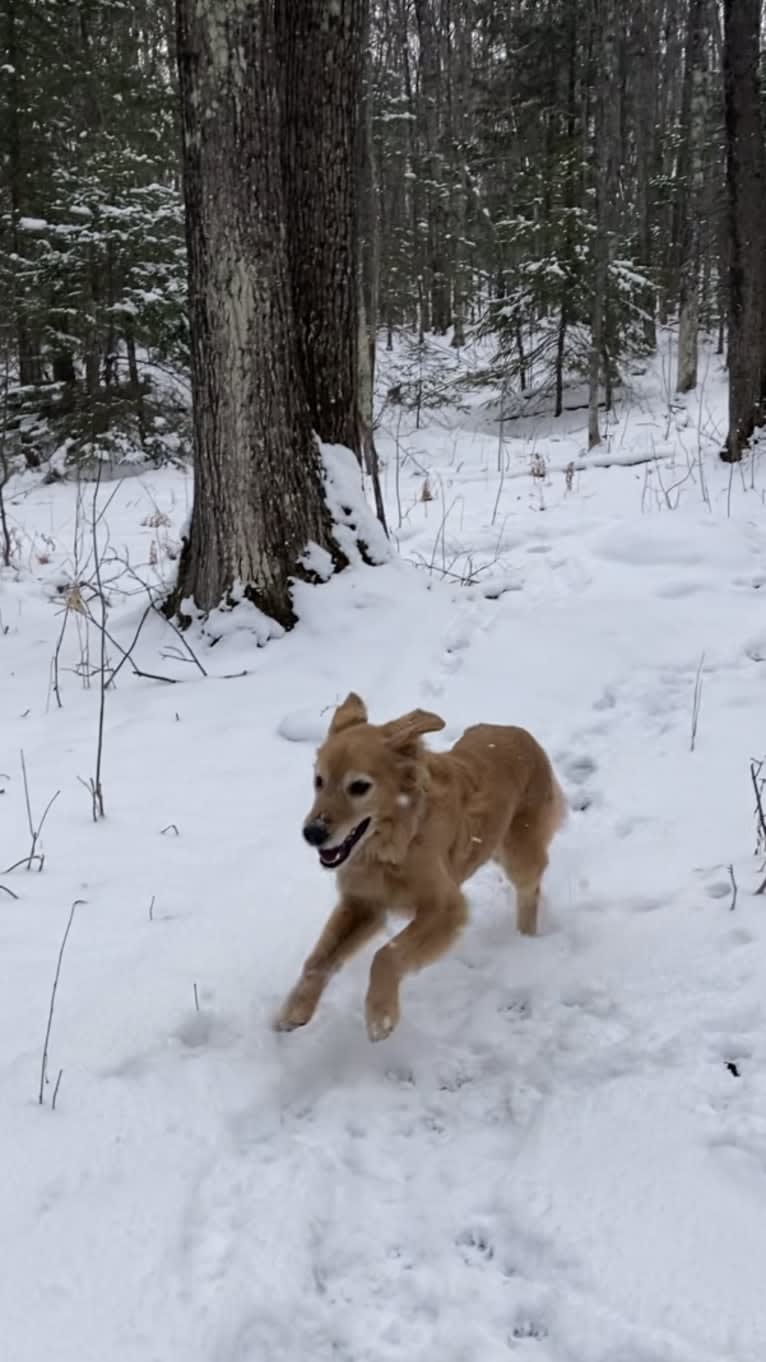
<point x="321" y="54"/>
<point x="746" y="185"/>
<point x="258" y="499"/>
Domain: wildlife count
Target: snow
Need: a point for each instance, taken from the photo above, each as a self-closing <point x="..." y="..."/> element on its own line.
<point x="353" y="519"/>
<point x="560" y="1155"/>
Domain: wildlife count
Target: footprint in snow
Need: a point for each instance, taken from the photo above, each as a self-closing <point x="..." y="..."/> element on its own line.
<point x="515" y="1008"/>
<point x="475" y="1245"/>
<point x="607" y="699"/>
<point x="719" y="889"/>
<point x="526" y="1331"/>
<point x="578" y="769"/>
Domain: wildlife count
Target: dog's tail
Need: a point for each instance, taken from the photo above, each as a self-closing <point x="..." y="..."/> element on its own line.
<point x="560" y="807"/>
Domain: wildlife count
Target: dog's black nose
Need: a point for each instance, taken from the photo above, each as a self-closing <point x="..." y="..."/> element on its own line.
<point x="316" y="834"/>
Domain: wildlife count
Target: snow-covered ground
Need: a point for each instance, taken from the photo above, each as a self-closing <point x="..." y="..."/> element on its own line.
<point x="560" y="1155"/>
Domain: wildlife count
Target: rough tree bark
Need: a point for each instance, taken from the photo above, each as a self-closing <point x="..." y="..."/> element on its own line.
<point x="321" y="55"/>
<point x="258" y="497"/>
<point x="746" y="183"/>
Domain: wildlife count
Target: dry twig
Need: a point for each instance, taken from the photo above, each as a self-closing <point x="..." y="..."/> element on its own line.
<point x="44" y="1062"/>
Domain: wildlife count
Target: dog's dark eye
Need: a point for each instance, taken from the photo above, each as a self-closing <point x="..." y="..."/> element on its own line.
<point x="318" y="782"/>
<point x="357" y="788"/>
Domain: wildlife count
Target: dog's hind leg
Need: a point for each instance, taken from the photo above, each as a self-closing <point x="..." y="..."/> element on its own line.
<point x="438" y="921"/>
<point x="523" y="854"/>
<point x="347" y="929"/>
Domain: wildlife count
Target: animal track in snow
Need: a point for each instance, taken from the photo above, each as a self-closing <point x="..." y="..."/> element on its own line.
<point x="579" y="769"/>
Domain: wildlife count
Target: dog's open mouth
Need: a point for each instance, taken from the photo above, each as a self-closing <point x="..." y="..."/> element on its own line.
<point x="332" y="857"/>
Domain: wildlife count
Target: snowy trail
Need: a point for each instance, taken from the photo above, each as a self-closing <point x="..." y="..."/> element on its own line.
<point x="560" y="1155"/>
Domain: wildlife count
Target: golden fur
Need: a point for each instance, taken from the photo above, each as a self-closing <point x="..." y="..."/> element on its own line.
<point x="434" y="819"/>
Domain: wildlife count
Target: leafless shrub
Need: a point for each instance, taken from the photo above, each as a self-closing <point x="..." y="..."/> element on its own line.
<point x="35" y="827"/>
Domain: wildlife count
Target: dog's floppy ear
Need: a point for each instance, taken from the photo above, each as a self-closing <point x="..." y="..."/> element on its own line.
<point x="402" y="732"/>
<point x="352" y="711"/>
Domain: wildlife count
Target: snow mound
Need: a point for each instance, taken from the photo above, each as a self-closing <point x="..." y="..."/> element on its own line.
<point x="304" y="725"/>
<point x="355" y="523"/>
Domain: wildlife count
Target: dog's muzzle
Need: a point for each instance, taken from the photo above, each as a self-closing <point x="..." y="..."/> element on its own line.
<point x="333" y="857"/>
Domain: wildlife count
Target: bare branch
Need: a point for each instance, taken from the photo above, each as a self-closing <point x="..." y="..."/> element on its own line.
<point x="35" y="829"/>
<point x="696" y="702"/>
<point x="755" y="775"/>
<point x="734" y="890"/>
<point x="44" y="1062"/>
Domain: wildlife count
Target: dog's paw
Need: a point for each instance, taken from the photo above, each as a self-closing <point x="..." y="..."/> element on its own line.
<point x="381" y="1018"/>
<point x="379" y="1028"/>
<point x="297" y="1009"/>
<point x="287" y="1021"/>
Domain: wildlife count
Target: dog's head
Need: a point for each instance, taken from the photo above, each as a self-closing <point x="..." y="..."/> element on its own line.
<point x="368" y="781"/>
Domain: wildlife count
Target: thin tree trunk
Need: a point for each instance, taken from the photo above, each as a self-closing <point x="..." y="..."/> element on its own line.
<point x="459" y="84"/>
<point x="27" y="337"/>
<point x="691" y="172"/>
<point x="437" y="281"/>
<point x="606" y="127"/>
<point x="561" y="336"/>
<point x="135" y="382"/>
<point x="569" y="204"/>
<point x="647" y="78"/>
<point x="258" y="499"/>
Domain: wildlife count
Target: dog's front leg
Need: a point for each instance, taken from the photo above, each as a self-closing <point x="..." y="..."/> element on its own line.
<point x="347" y="929"/>
<point x="438" y="920"/>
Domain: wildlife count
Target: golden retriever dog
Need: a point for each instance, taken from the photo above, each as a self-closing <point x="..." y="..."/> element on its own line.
<point x="403" y="828"/>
